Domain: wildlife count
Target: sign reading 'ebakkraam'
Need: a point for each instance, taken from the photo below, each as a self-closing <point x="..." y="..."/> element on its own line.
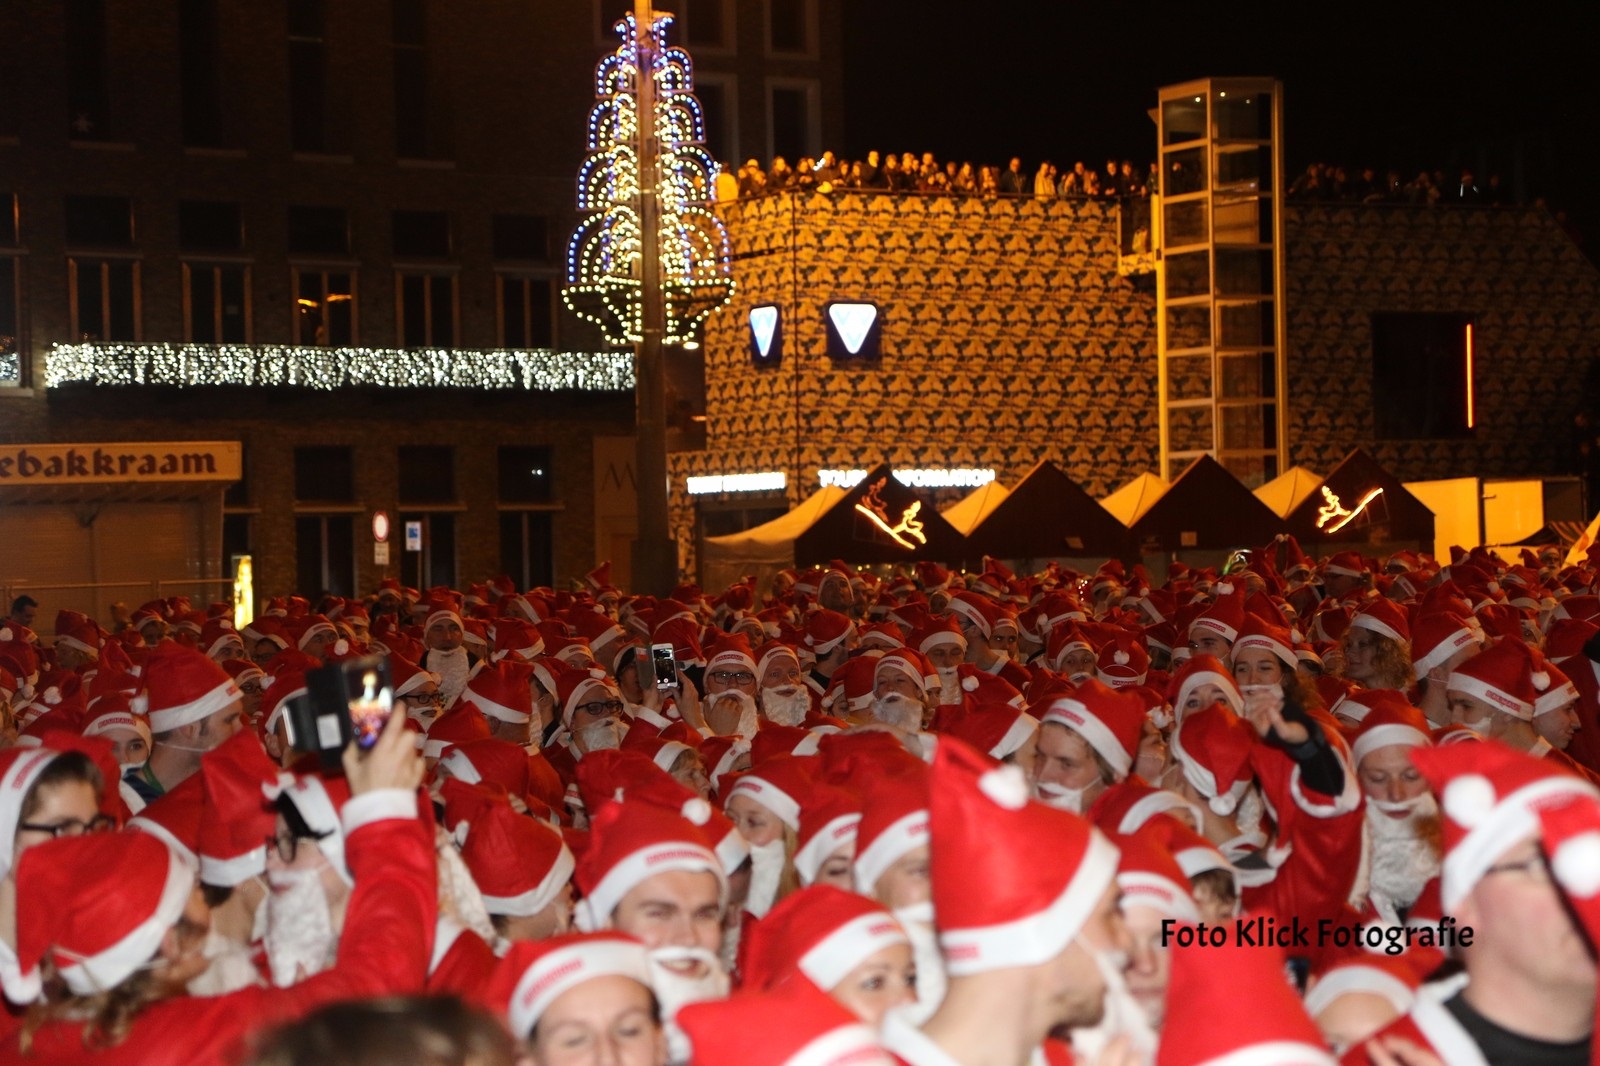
<point x="119" y="461"/>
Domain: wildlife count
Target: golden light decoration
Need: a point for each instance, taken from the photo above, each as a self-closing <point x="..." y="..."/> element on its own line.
<point x="603" y="257"/>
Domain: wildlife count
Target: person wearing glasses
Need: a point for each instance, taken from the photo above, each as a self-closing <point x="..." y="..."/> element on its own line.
<point x="45" y="793"/>
<point x="1528" y="993"/>
<point x="729" y="705"/>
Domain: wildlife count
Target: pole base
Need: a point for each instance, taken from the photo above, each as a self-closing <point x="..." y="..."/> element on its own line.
<point x="655" y="566"/>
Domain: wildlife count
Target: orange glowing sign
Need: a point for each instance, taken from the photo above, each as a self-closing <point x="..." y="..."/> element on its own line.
<point x="873" y="508"/>
<point x="1335" y="509"/>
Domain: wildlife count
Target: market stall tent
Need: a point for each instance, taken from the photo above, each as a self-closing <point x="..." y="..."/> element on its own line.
<point x="1204" y="508"/>
<point x="974" y="507"/>
<point x="1048" y="515"/>
<point x="765" y="549"/>
<point x="1289" y="489"/>
<point x="1361" y="503"/>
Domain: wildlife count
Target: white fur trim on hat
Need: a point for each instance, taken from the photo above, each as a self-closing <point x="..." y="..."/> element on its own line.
<point x="848" y="946"/>
<point x="1576" y="864"/>
<point x="1374" y="624"/>
<point x="102" y="972"/>
<point x="898" y="838"/>
<point x="595" y="909"/>
<point x="1441" y="651"/>
<point x="1074" y="715"/>
<point x="1041" y="936"/>
<point x="1501" y="701"/>
<point x="1265" y="643"/>
<point x="1555" y="699"/>
<point x="1371" y="980"/>
<point x="1382" y="736"/>
<point x="808" y="859"/>
<point x="770" y="796"/>
<point x="1021" y="730"/>
<point x="234" y="870"/>
<point x="170" y="718"/>
<point x="1493" y="826"/>
<point x="1215" y="625"/>
<point x="496" y="710"/>
<point x="1230" y="691"/>
<point x="565" y="969"/>
<point x="1204" y="781"/>
<point x="526" y="904"/>
<point x="851" y="1043"/>
<point x="1142" y="889"/>
<point x="941" y="636"/>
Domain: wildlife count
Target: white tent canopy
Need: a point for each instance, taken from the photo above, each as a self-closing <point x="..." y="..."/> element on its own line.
<point x="767" y="548"/>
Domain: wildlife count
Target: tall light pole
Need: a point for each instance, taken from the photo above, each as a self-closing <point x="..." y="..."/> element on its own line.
<point x="650" y="261"/>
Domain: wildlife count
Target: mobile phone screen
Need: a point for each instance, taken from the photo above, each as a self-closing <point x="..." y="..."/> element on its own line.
<point x="370" y="696"/>
<point x="664" y="666"/>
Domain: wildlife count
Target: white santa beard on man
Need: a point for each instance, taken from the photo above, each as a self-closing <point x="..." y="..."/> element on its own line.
<point x="917" y="921"/>
<point x="1061" y="797"/>
<point x="748" y="719"/>
<point x="231" y="968"/>
<point x="1404" y="853"/>
<point x="1122" y="1014"/>
<point x="785" y="705"/>
<point x="950" y="692"/>
<point x="301" y="939"/>
<point x="675" y="990"/>
<point x="898" y="710"/>
<point x="604" y="734"/>
<point x="452" y="666"/>
<point x="766" y="875"/>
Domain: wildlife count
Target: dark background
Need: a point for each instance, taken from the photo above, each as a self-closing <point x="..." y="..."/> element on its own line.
<point x="1511" y="88"/>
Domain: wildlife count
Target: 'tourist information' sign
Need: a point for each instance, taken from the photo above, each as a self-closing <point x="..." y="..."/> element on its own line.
<point x="119" y="461"/>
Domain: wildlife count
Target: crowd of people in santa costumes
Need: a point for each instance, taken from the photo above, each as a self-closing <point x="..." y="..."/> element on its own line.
<point x="1297" y="812"/>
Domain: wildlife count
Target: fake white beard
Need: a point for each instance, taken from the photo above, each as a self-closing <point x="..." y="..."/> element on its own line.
<point x="766" y="872"/>
<point x="749" y="720"/>
<point x="1122" y="1014"/>
<point x="300" y="939"/>
<point x="1060" y="797"/>
<point x="452" y="667"/>
<point x="231" y="969"/>
<point x="459" y="896"/>
<point x="900" y="711"/>
<point x="1403" y="853"/>
<point x="1250" y="811"/>
<point x="126" y="768"/>
<point x="786" y="704"/>
<point x="674" y="991"/>
<point x="602" y="735"/>
<point x="917" y="920"/>
<point x="950" y="691"/>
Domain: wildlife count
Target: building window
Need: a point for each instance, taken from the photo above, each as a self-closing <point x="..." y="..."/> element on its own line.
<point x="527" y="548"/>
<point x="1422" y="376"/>
<point x="200" y="74"/>
<point x="104" y="298"/>
<point x="210" y="226"/>
<point x="88" y="94"/>
<point x="426" y="309"/>
<point x="716" y="97"/>
<point x="435" y="564"/>
<point x="793" y="119"/>
<point x="417" y="129"/>
<point x="525" y="474"/>
<point x="325" y="308"/>
<point x="216" y="303"/>
<point x="99" y="222"/>
<point x="525" y="237"/>
<point x="308" y="77"/>
<point x="427" y="473"/>
<point x="319" y="230"/>
<point x="709" y="23"/>
<point x="12" y="373"/>
<point x="789" y="26"/>
<point x="421" y="234"/>
<point x="324" y="474"/>
<point x="524" y="312"/>
<point x="325" y="555"/>
<point x="236" y="530"/>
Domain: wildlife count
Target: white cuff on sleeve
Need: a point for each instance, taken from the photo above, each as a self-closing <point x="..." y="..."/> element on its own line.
<point x="377" y="805"/>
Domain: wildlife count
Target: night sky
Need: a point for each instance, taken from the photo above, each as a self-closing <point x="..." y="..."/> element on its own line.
<point x="1508" y="87"/>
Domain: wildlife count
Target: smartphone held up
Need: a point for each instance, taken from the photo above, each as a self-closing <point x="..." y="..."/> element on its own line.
<point x="343" y="702"/>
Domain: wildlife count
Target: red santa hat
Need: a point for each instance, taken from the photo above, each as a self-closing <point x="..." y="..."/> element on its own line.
<point x="799" y="1025"/>
<point x="217" y="634"/>
<point x="513" y="636"/>
<point x="936" y="632"/>
<point x="608" y="777"/>
<point x="501" y="691"/>
<point x="174" y="816"/>
<point x="1490" y="797"/>
<point x="1385" y="618"/>
<point x="407" y="676"/>
<point x="661" y="751"/>
<point x="183" y="686"/>
<point x="1436" y="636"/>
<point x="1388" y="719"/>
<point x="1389" y="977"/>
<point x="1571" y="838"/>
<point x="1224" y="616"/>
<point x="632" y="842"/>
<point x="719" y="754"/>
<point x="535" y="973"/>
<point x="771" y="652"/>
<point x="997" y="729"/>
<point x="1212" y="746"/>
<point x="851" y="686"/>
<point x="98" y="906"/>
<point x="78" y="632"/>
<point x="981" y="818"/>
<point x="820" y="933"/>
<point x="575" y="687"/>
<point x="979" y="611"/>
<point x="235" y="819"/>
<point x="894" y="821"/>
<point x="1501" y="676"/>
<point x="318" y="798"/>
<point x="825" y="630"/>
<point x="683" y="633"/>
<point x="905" y="662"/>
<point x="1345" y="564"/>
<point x="1130" y="807"/>
<point x="1122" y="662"/>
<point x="1108" y="719"/>
<point x="932" y="576"/>
<point x="1209" y="983"/>
<point x="1560" y="691"/>
<point x="731" y="652"/>
<point x="519" y="864"/>
<point x="1150" y="877"/>
<point x="1203" y="670"/>
<point x="112" y="716"/>
<point x="276" y="692"/>
<point x="779" y="784"/>
<point x="1260" y="634"/>
<point x="829" y="819"/>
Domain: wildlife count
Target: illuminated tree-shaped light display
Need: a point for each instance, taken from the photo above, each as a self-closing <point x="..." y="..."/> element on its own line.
<point x="605" y="272"/>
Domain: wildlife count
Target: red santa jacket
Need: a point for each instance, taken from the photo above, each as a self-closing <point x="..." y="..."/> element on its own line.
<point x="1431" y="1027"/>
<point x="462" y="962"/>
<point x="383" y="950"/>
